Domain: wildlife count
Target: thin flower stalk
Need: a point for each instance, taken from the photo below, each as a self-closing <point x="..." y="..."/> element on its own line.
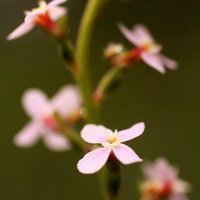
<point x="108" y="83"/>
<point x="92" y="10"/>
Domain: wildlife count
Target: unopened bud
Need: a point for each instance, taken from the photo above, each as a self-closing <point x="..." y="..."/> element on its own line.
<point x="113" y="50"/>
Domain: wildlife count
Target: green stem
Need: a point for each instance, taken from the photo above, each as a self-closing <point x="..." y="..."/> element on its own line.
<point x="113" y="177"/>
<point x="76" y="140"/>
<point x="71" y="134"/>
<point x="110" y="178"/>
<point x="108" y="83"/>
<point x="79" y="65"/>
<point x="93" y="8"/>
<point x="66" y="52"/>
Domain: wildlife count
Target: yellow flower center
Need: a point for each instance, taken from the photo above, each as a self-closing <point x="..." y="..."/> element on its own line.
<point x="151" y="47"/>
<point x="112" y="139"/>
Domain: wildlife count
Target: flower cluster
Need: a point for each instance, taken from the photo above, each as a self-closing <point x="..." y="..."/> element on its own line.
<point x="52" y="118"/>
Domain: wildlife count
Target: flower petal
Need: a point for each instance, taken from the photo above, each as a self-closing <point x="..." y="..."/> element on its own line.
<point x="178" y="196"/>
<point x="21" y="30"/>
<point x="67" y="100"/>
<point x="57" y="12"/>
<point x="133" y="132"/>
<point x="160" y="170"/>
<point x="34" y="102"/>
<point x="169" y="63"/>
<point x="149" y="170"/>
<point x="95" y="134"/>
<point x="154" y="61"/>
<point x="28" y="136"/>
<point x="165" y="171"/>
<point x="181" y="186"/>
<point x="125" y="154"/>
<point x="142" y="32"/>
<point x="55" y="3"/>
<point x="93" y="161"/>
<point x="130" y="35"/>
<point x="31" y="15"/>
<point x="56" y="142"/>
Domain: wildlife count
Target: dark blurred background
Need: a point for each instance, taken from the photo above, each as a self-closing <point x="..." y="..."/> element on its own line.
<point x="168" y="104"/>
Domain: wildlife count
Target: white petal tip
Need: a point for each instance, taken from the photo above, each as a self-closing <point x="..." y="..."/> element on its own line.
<point x="93" y="161"/>
<point x="63" y="148"/>
<point x="163" y="72"/>
<point x="134" y="161"/>
<point x="142" y="124"/>
<point x="83" y="170"/>
<point x="174" y="67"/>
<point x="9" y="38"/>
<point x="56" y="142"/>
<point x="20" y="142"/>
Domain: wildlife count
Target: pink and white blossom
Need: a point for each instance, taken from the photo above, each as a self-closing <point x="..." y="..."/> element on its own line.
<point x="45" y="16"/>
<point x="42" y="111"/>
<point x="111" y="142"/>
<point x="147" y="48"/>
<point x="162" y="182"/>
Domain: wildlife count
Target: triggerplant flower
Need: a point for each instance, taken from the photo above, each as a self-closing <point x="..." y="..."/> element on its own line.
<point x="162" y="182"/>
<point x="147" y="49"/>
<point x="42" y="112"/>
<point x="45" y="16"/>
<point x="111" y="144"/>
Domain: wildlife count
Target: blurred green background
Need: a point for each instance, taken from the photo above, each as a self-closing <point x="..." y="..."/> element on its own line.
<point x="168" y="104"/>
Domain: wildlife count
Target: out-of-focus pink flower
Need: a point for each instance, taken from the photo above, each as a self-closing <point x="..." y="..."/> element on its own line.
<point x="162" y="182"/>
<point x="111" y="142"/>
<point x="42" y="113"/>
<point x="147" y="49"/>
<point x="45" y="16"/>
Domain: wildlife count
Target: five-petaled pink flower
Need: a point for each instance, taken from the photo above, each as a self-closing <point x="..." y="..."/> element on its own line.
<point x="163" y="182"/>
<point x="146" y="49"/>
<point x="42" y="112"/>
<point x="45" y="16"/>
<point x="111" y="143"/>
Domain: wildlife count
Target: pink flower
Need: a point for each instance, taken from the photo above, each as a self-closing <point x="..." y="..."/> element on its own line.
<point x="147" y="49"/>
<point x="163" y="182"/>
<point x="45" y="16"/>
<point x="111" y="142"/>
<point x="43" y="123"/>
